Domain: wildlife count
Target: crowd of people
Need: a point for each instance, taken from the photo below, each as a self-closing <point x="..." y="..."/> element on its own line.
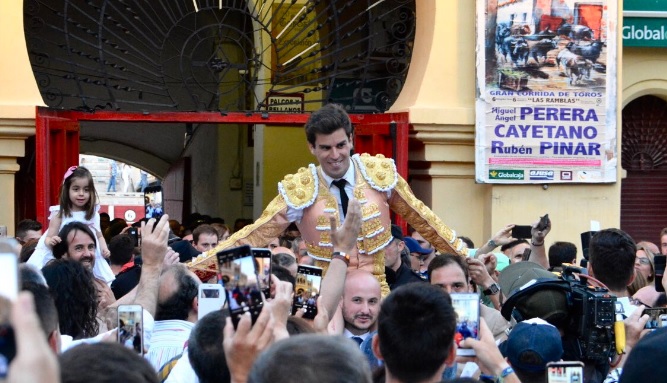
<point x="386" y="304"/>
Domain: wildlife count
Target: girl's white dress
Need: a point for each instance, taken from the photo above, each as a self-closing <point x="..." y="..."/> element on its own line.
<point x="43" y="254"/>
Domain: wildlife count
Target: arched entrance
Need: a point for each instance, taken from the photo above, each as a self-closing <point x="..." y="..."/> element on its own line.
<point x="644" y="156"/>
<point x="225" y="56"/>
<point x="131" y="73"/>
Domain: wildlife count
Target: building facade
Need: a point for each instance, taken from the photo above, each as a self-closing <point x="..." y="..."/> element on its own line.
<point x="439" y="97"/>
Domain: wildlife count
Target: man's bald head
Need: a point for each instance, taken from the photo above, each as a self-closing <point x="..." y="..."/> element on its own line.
<point x="361" y="301"/>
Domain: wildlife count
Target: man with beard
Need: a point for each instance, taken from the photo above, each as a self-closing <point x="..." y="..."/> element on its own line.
<point x="79" y="245"/>
<point x="361" y="303"/>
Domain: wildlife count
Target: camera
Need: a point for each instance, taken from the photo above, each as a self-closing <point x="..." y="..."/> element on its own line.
<point x="590" y="329"/>
<point x="588" y="326"/>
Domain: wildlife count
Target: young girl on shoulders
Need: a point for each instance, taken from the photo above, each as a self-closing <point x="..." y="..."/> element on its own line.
<point x="78" y="202"/>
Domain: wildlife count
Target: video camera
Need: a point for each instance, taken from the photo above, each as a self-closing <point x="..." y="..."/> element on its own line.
<point x="587" y="320"/>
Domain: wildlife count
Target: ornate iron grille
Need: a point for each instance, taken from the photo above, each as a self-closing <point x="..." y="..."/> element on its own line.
<point x="219" y="55"/>
<point x="644" y="143"/>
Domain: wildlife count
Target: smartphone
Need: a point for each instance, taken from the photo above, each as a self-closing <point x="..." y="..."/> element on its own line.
<point x="663" y="320"/>
<point x="237" y="272"/>
<point x="9" y="276"/>
<point x="153" y="202"/>
<point x="544" y="223"/>
<point x="522" y="231"/>
<point x="526" y="254"/>
<point x="7" y="348"/>
<point x="263" y="260"/>
<point x="134" y="233"/>
<point x="565" y="372"/>
<point x="131" y="327"/>
<point x="211" y="298"/>
<point x="307" y="290"/>
<point x="655" y="316"/>
<point x="659" y="264"/>
<point x="466" y="306"/>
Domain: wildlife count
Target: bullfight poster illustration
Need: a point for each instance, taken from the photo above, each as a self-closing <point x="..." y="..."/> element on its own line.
<point x="546" y="91"/>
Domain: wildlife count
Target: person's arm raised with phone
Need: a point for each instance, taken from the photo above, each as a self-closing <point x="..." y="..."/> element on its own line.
<point x="344" y="241"/>
<point x="488" y="356"/>
<point x="539" y="232"/>
<point x="283" y="293"/>
<point x="243" y="344"/>
<point x="34" y="361"/>
<point x="502" y="237"/>
<point x="153" y="251"/>
<point x="477" y="269"/>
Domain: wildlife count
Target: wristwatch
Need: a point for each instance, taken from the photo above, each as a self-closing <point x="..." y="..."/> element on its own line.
<point x="342" y="256"/>
<point x="492" y="290"/>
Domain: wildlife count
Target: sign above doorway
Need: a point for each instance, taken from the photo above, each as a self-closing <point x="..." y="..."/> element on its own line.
<point x="644" y="23"/>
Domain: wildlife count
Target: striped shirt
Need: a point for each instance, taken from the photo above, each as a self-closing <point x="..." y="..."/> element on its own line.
<point x="169" y="339"/>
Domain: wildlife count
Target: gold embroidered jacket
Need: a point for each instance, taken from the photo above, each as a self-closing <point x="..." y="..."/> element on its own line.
<point x="376" y="178"/>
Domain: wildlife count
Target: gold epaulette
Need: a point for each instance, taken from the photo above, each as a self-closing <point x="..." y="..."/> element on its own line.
<point x="300" y="190"/>
<point x="379" y="172"/>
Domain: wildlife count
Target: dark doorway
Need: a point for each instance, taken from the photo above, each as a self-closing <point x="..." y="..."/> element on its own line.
<point x="644" y="147"/>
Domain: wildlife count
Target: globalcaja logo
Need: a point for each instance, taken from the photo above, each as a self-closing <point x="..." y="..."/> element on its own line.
<point x="542" y="175"/>
<point x="506" y="174"/>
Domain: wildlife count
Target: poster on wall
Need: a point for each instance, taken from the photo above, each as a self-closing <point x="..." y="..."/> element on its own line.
<point x="546" y="91"/>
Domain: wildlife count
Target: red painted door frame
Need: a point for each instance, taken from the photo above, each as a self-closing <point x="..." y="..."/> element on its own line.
<point x="57" y="148"/>
<point x="389" y="138"/>
<point x="57" y="138"/>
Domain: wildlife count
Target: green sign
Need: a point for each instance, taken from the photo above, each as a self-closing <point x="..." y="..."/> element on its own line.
<point x="644" y="32"/>
<point x="644" y="5"/>
<point x="508" y="175"/>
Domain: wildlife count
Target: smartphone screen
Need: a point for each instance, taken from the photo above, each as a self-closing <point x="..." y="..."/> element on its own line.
<point x="466" y="306"/>
<point x="522" y="232"/>
<point x="659" y="262"/>
<point x="211" y="298"/>
<point x="134" y="233"/>
<point x="565" y="372"/>
<point x="237" y="270"/>
<point x="131" y="327"/>
<point x="654" y="317"/>
<point x="7" y="348"/>
<point x="263" y="259"/>
<point x="153" y="202"/>
<point x="9" y="285"/>
<point x="307" y="290"/>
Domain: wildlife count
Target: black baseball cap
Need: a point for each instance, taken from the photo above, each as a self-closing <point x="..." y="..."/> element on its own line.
<point x="397" y="232"/>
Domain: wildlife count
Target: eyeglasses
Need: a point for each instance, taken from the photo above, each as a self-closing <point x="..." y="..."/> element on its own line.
<point x="643" y="261"/>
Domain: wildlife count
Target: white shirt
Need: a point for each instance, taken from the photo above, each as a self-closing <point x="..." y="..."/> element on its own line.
<point x="363" y="337"/>
<point x="169" y="339"/>
<point x="295" y="215"/>
<point x="182" y="371"/>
